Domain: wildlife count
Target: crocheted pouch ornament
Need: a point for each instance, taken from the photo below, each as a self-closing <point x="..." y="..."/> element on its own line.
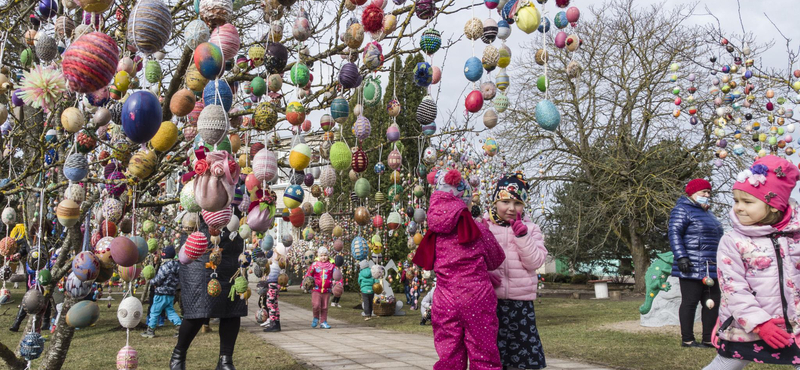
<point x="217" y="173"/>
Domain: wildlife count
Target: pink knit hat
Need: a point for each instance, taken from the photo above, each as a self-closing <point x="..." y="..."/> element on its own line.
<point x="770" y="179"/>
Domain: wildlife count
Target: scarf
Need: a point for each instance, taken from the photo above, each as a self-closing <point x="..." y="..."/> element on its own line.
<point x="468" y="232"/>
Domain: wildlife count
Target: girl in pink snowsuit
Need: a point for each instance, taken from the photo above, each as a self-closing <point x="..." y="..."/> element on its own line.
<point x="462" y="253"/>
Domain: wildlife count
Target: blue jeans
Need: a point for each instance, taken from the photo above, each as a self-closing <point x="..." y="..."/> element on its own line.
<point x="408" y="294"/>
<point x="163" y="303"/>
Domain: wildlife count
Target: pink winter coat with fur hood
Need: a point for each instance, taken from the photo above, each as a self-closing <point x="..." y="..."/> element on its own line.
<point x="747" y="266"/>
<point x="524" y="255"/>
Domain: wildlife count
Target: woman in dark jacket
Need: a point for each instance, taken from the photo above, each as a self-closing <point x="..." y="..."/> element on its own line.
<point x="694" y="235"/>
<point x="197" y="305"/>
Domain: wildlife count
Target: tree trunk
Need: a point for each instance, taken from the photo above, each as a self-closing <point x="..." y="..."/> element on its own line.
<point x="640" y="259"/>
<point x="61" y="339"/>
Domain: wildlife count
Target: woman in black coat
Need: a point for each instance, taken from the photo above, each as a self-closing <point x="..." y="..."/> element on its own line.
<point x="197" y="305"/>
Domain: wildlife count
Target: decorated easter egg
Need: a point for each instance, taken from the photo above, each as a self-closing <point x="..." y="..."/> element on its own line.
<point x="127" y="359"/>
<point x="129" y="312"/>
<point x="208" y="60"/>
<point x="141" y="116"/>
<point x="95" y="52"/>
<point x="83" y="314"/>
<point x="149" y="26"/>
<point x="124" y="251"/>
<point x="226" y="37"/>
<point x="547" y="115"/>
<point x="340" y="156"/>
<point x="68" y="212"/>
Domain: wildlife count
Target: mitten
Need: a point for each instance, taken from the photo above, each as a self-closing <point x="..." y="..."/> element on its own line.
<point x="519" y="227"/>
<point x="773" y="335"/>
<point x="684" y="265"/>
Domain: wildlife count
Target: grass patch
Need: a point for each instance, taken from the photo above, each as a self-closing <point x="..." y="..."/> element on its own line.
<point x="96" y="347"/>
<point x="570" y="329"/>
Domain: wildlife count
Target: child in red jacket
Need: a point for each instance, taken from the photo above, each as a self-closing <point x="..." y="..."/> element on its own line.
<point x="322" y="272"/>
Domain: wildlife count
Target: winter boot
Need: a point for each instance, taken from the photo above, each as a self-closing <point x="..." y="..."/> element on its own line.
<point x="178" y="360"/>
<point x="206" y="329"/>
<point x="274" y="326"/>
<point x="225" y="363"/>
<point x="149" y="333"/>
<point x="314" y="322"/>
<point x="21" y="314"/>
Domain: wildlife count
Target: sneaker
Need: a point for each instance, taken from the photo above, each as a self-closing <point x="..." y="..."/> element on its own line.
<point x="692" y="344"/>
<point x="363" y="314"/>
<point x="367" y="318"/>
<point x="324" y="325"/>
<point x="265" y="324"/>
<point x="149" y="333"/>
<point x="314" y="322"/>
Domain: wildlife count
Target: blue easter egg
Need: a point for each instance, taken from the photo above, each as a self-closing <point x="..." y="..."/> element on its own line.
<point x="429" y="129"/>
<point x="218" y="92"/>
<point x="508" y="11"/>
<point x="473" y="69"/>
<point x="544" y="26"/>
<point x="141" y="116"/>
<point x="267" y="243"/>
<point x="561" y="20"/>
<point x="547" y="115"/>
<point x="359" y="248"/>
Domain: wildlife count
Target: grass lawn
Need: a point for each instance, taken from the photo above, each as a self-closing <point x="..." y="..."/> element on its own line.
<point x="582" y="330"/>
<point x="96" y="347"/>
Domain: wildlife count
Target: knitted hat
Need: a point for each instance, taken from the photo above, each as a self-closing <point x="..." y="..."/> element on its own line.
<point x="511" y="187"/>
<point x="452" y="182"/>
<point x="168" y="252"/>
<point x="363" y="264"/>
<point x="321" y="251"/>
<point x="697" y="185"/>
<point x="770" y="179"/>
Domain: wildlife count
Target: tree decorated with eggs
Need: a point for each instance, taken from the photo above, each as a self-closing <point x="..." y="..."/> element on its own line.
<point x="124" y="117"/>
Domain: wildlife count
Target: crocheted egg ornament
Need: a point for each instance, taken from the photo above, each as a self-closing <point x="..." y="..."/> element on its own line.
<point x="46" y="47"/>
<point x="218" y="92"/>
<point x="89" y="63"/>
<point x="208" y="61"/>
<point x="473" y="69"/>
<point x="328" y="177"/>
<point x="127" y="357"/>
<point x="349" y="76"/>
<point x="196" y="33"/>
<point x="547" y="115"/>
<point x="265" y="165"/>
<point x="423" y="74"/>
<point x="141" y="116"/>
<point x="86" y="266"/>
<point x="293" y="196"/>
<point x="219" y="219"/>
<point x="300" y="157"/>
<point x="425" y="9"/>
<point x="362" y="128"/>
<point x="226" y="37"/>
<point x="9" y="216"/>
<point x="489" y="31"/>
<point x="359" y="248"/>
<point x="32" y="346"/>
<point x="124" y="251"/>
<point x="360" y="161"/>
<point x="341" y="156"/>
<point x="473" y="29"/>
<point x="340" y="109"/>
<point x="300" y="74"/>
<point x="149" y="26"/>
<point x="76" y="167"/>
<point x="8" y="246"/>
<point x="431" y="41"/>
<point x="500" y="102"/>
<point x="212" y="125"/>
<point x="166" y="137"/>
<point x="426" y="111"/>
<point x="129" y="312"/>
<point x="83" y="314"/>
<point x="215" y="12"/>
<point x="68" y="212"/>
<point x="528" y="18"/>
<point x="490" y="58"/>
<point x="195" y="246"/>
<point x="276" y="57"/>
<point x="295" y="113"/>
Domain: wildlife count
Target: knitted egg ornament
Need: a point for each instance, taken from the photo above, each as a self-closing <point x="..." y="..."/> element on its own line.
<point x="149" y="26"/>
<point x="129" y="312"/>
<point x="89" y="63"/>
<point x="359" y="248"/>
<point x="300" y="157"/>
<point x="196" y="33"/>
<point x="340" y="156"/>
<point x="490" y="58"/>
<point x="76" y="167"/>
<point x="208" y="61"/>
<point x="362" y="128"/>
<point x="218" y="92"/>
<point x="226" y="37"/>
<point x="340" y="109"/>
<point x="264" y="117"/>
<point x="300" y="74"/>
<point x="293" y="196"/>
<point x="64" y="27"/>
<point x="265" y="165"/>
<point x="349" y="76"/>
<point x="141" y="116"/>
<point x="212" y="125"/>
<point x="276" y="57"/>
<point x="32" y="346"/>
<point x="68" y="213"/>
<point x="425" y="9"/>
<point x="503" y="29"/>
<point x="362" y="188"/>
<point x="473" y="69"/>
<point x="393" y="133"/>
<point x="473" y="29"/>
<point x="219" y="219"/>
<point x="372" y="18"/>
<point x="547" y="115"/>
<point x="295" y="113"/>
<point x="124" y="251"/>
<point x="328" y="177"/>
<point x="46" y="47"/>
<point x="195" y="246"/>
<point x="431" y="41"/>
<point x="127" y="357"/>
<point x="423" y="74"/>
<point x="373" y="55"/>
<point x="215" y="12"/>
<point x="426" y="111"/>
<point x="360" y="161"/>
<point x="489" y="31"/>
<point x="9" y="216"/>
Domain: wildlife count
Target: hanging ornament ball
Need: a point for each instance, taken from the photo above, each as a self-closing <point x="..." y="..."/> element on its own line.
<point x="68" y="213"/>
<point x="83" y="314"/>
<point x="226" y="37"/>
<point x="149" y="26"/>
<point x="208" y="60"/>
<point x="300" y="157"/>
<point x="473" y="69"/>
<point x="95" y="52"/>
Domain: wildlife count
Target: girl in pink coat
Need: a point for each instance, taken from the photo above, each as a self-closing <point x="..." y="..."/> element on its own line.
<point x="462" y="253"/>
<point x="322" y="271"/>
<point x="758" y="265"/>
<point x="515" y="281"/>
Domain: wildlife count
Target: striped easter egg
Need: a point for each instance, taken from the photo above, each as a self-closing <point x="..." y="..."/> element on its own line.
<point x="265" y="165"/>
<point x="226" y="37"/>
<point x="195" y="246"/>
<point x="90" y="62"/>
<point x="217" y="220"/>
<point x="149" y="25"/>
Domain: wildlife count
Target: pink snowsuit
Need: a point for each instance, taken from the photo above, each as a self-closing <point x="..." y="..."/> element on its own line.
<point x="465" y="320"/>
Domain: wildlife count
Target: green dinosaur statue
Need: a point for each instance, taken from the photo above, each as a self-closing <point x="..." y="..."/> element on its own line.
<point x="656" y="279"/>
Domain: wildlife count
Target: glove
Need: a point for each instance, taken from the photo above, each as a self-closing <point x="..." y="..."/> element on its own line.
<point x="773" y="335"/>
<point x="685" y="265"/>
<point x="519" y="227"/>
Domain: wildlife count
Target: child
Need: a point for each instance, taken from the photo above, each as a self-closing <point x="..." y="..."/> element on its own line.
<point x="166" y="283"/>
<point x="758" y="266"/>
<point x="338" y="288"/>
<point x="404" y="279"/>
<point x="322" y="272"/>
<point x="516" y="279"/>
<point x="272" y="295"/>
<point x="365" y="281"/>
<point x="461" y="253"/>
<point x="425" y="306"/>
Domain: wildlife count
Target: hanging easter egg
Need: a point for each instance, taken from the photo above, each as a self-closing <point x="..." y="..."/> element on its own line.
<point x="502" y="79"/>
<point x="372" y="91"/>
<point x="340" y="110"/>
<point x="503" y="29"/>
<point x="129" y="312"/>
<point x="141" y="116"/>
<point x="187" y="198"/>
<point x="573" y="42"/>
<point x="196" y="33"/>
<point x="9" y="216"/>
<point x="474" y="101"/>
<point x="424" y="9"/>
<point x="393" y="133"/>
<point x="560" y="20"/>
<point x="328" y="177"/>
<point x="349" y="76"/>
<point x="490" y="147"/>
<point x="431" y="41"/>
<point x="547" y="115"/>
<point x="72" y="120"/>
<point x="276" y="57"/>
<point x="76" y="167"/>
<point x="86" y="266"/>
<point x="124" y="251"/>
<point x="300" y="74"/>
<point x="300" y="157"/>
<point x="295" y="113"/>
<point x="33" y="301"/>
<point x="560" y="40"/>
<point x="130" y="273"/>
<point x="215" y="12"/>
<point x="473" y="29"/>
<point x="473" y="69"/>
<point x="490" y="58"/>
<point x="426" y="111"/>
<point x="340" y="156"/>
<point x="46" y="47"/>
<point x="528" y="18"/>
<point x="293" y="196"/>
<point x="127" y="358"/>
<point x="95" y="52"/>
<point x="165" y="137"/>
<point x="490" y="118"/>
<point x="362" y="128"/>
<point x="544" y="25"/>
<point x="195" y="246"/>
<point x="208" y="60"/>
<point x="572" y="15"/>
<point x="301" y="29"/>
<point x="68" y="213"/>
<point x="354" y="36"/>
<point x="423" y="74"/>
<point x="142" y="164"/>
<point x="83" y="314"/>
<point x="226" y="37"/>
<point x="218" y="92"/>
<point x="149" y="26"/>
<point x="32" y="346"/>
<point x="182" y="103"/>
<point x="500" y="102"/>
<point x="436" y="75"/>
<point x="264" y="116"/>
<point x="212" y="125"/>
<point x="360" y="161"/>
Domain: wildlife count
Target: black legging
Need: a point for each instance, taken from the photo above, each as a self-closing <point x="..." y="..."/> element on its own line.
<point x="692" y="293"/>
<point x="228" y="332"/>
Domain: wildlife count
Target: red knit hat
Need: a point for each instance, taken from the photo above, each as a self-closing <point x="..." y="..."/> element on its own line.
<point x="771" y="179"/>
<point x="696" y="185"/>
